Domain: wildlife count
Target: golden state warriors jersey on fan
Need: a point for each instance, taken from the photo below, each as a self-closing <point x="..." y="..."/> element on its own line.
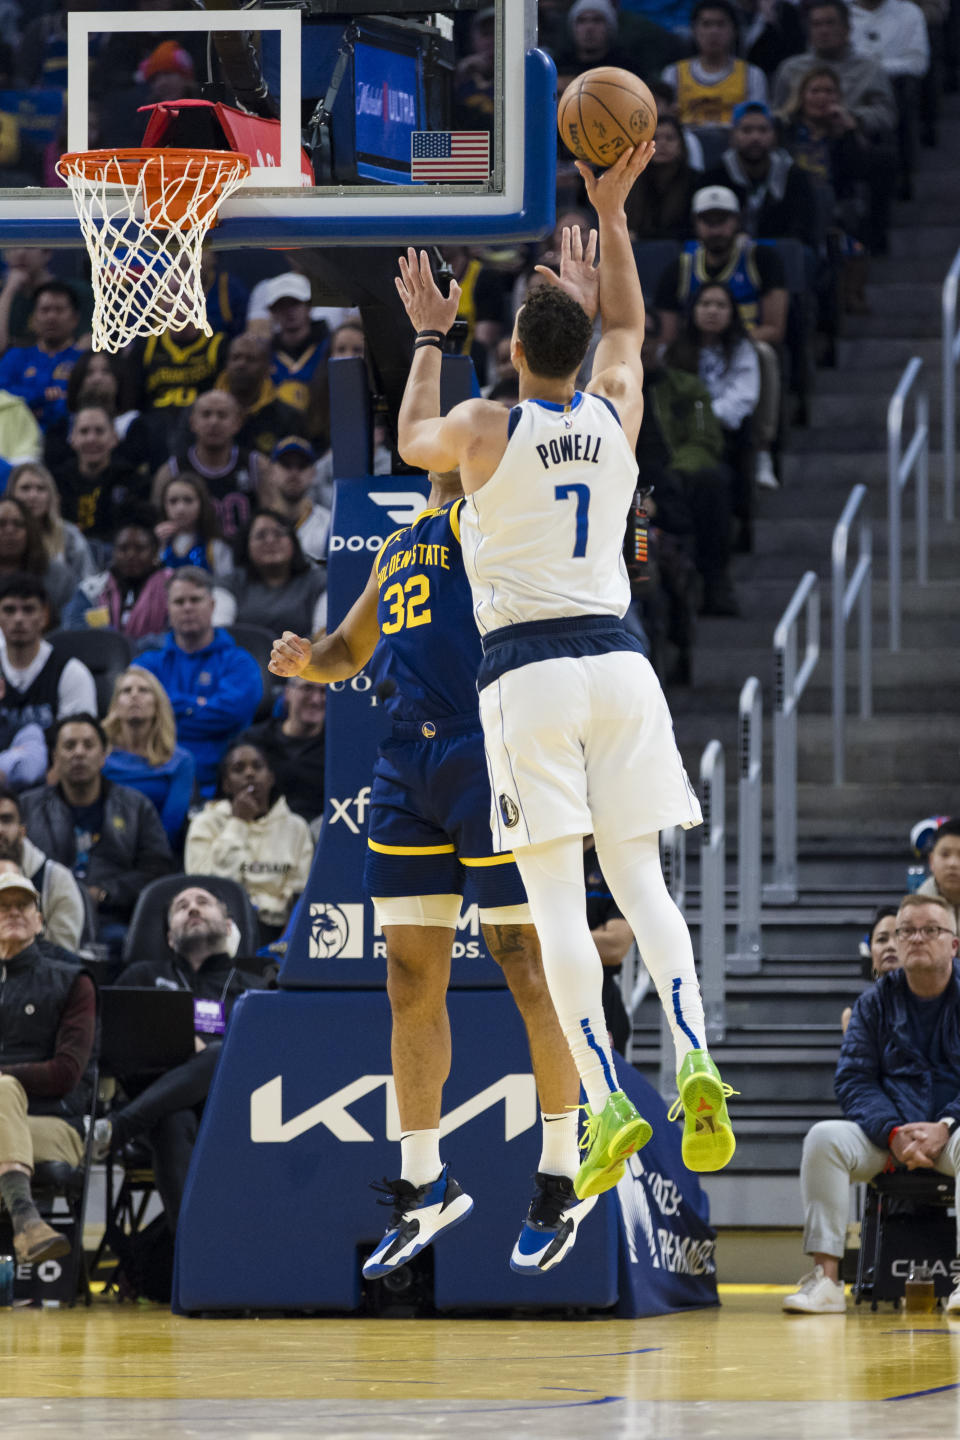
<point x="567" y="475"/>
<point x="430" y="647"/>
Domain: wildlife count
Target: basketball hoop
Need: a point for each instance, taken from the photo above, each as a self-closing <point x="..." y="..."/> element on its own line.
<point x="144" y="215"/>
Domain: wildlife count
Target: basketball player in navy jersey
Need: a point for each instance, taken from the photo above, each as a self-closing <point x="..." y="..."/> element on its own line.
<point x="429" y="824"/>
<point x="578" y="735"/>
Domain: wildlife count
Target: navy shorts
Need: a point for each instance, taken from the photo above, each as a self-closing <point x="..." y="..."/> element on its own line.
<point x="430" y="818"/>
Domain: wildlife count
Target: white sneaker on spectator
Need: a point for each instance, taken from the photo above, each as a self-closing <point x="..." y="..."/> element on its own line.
<point x="952" y="1306"/>
<point x="816" y="1294"/>
<point x="764" y="473"/>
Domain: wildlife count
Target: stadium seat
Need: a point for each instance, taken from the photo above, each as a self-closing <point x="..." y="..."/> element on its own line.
<point x="106" y="654"/>
<point x="653" y="257"/>
<point x="258" y="642"/>
<point x="905" y="1217"/>
<point x="146" y="937"/>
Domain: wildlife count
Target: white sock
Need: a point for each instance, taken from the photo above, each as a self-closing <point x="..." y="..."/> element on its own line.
<point x="632" y="870"/>
<point x="559" y="1153"/>
<point x="420" y="1161"/>
<point x="553" y="878"/>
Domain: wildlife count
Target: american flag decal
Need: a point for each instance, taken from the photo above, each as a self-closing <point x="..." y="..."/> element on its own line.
<point x="445" y="156"/>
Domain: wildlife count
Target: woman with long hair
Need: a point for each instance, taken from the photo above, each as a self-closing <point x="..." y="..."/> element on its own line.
<point x="32" y="484"/>
<point x="658" y="206"/>
<point x="22" y="551"/>
<point x="143" y="748"/>
<point x="275" y="585"/>
<point x="715" y="346"/>
<point x="189" y="531"/>
<point x="248" y="833"/>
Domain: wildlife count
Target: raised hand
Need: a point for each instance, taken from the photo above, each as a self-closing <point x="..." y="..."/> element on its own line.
<point x="608" y="190"/>
<point x="426" y="307"/>
<point x="290" y="655"/>
<point x="579" y="275"/>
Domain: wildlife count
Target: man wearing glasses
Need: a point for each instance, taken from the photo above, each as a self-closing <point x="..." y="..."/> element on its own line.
<point x="898" y="1082"/>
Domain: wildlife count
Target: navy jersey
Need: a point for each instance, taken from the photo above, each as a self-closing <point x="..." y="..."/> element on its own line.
<point x="429" y="646"/>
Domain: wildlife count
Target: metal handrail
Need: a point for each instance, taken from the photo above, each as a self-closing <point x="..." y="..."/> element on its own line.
<point x="791" y="683"/>
<point x="844" y="597"/>
<point x="747" y="958"/>
<point x="900" y="466"/>
<point x="673" y="858"/>
<point x="950" y="356"/>
<point x="712" y="892"/>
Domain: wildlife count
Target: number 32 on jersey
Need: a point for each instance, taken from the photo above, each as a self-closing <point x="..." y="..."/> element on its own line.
<point x="409" y="603"/>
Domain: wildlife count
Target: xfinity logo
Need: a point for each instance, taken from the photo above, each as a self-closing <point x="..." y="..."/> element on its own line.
<point x="340" y="810"/>
<point x="403" y="506"/>
<point x="517" y="1094"/>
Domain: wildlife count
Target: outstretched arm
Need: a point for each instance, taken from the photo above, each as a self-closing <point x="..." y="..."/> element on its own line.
<point x="337" y="656"/>
<point x="424" y="437"/>
<point x="617" y="367"/>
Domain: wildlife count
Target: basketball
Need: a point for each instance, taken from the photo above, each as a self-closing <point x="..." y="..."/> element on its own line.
<point x="604" y="112"/>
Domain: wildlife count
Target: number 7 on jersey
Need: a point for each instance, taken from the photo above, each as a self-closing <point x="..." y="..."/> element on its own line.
<point x="582" y="492"/>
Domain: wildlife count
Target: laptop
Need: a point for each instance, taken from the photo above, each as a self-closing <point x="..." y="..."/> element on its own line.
<point x="145" y="1030"/>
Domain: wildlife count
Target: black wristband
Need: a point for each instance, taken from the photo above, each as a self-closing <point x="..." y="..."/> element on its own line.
<point x="431" y="335"/>
<point x="424" y="344"/>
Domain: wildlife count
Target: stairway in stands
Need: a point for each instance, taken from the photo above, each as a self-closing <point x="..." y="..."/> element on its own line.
<point x="783" y="1025"/>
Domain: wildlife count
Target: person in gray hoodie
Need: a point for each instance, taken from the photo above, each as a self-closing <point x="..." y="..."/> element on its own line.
<point x="65" y="916"/>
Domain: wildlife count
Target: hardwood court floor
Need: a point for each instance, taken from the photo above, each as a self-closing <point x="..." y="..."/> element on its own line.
<point x="741" y="1371"/>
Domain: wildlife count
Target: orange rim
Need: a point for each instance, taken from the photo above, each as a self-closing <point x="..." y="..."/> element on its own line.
<point x="160" y="173"/>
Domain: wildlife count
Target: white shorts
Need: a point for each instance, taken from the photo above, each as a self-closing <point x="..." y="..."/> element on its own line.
<point x="576" y="746"/>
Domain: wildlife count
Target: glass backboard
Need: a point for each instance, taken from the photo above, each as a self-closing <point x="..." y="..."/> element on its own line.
<point x="376" y="121"/>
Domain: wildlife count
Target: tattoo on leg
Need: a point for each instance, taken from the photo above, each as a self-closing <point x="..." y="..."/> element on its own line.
<point x="509" y="940"/>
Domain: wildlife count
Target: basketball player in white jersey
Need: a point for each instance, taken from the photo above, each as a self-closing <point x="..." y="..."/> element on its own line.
<point x="577" y="732"/>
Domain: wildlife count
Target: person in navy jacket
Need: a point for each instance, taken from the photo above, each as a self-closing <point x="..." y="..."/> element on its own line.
<point x="898" y="1083"/>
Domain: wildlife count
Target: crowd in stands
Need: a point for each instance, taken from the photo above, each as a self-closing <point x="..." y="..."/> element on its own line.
<point x="166" y="512"/>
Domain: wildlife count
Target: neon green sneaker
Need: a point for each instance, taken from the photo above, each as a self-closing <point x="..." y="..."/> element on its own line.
<point x="708" y="1141"/>
<point x="609" y="1138"/>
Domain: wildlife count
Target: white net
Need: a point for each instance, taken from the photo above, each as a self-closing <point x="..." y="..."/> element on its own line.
<point x="144" y="217"/>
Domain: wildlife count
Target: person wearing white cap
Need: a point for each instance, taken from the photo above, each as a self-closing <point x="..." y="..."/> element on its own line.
<point x="299" y="343"/>
<point x="755" y="277"/>
<point x="47" y="1023"/>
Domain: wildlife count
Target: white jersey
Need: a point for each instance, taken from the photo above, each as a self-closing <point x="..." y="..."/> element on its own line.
<point x="543" y="538"/>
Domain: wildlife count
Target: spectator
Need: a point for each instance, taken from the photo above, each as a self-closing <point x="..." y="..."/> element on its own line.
<point x="189" y="530"/>
<point x="348" y="341"/>
<point x="109" y="835"/>
<point x="770" y="32"/>
<point x="250" y="835"/>
<point x="177" y="366"/>
<point x="483" y="304"/>
<point x="776" y="198"/>
<point x="613" y="938"/>
<point x="22" y="551"/>
<point x="879" y="951"/>
<point x="714" y="345"/>
<point x="144" y="753"/>
<point x="666" y="97"/>
<point x="892" y="32"/>
<point x="230" y="471"/>
<point x="39" y="373"/>
<point x="294" y="744"/>
<point x="213" y="685"/>
<point x="168" y="72"/>
<point x="868" y="100"/>
<point x="35" y="488"/>
<point x="94" y="482"/>
<point x="475" y="75"/>
<point x="681" y="442"/>
<point x="47" y="1031"/>
<point x="41" y="686"/>
<point x="595" y="38"/>
<point x="714" y="82"/>
<point x="110" y="381"/>
<point x="226" y="296"/>
<point x="61" y="903"/>
<point x="274" y="585"/>
<point x="131" y="596"/>
<point x="28" y="268"/>
<point x="23" y="750"/>
<point x="291" y="485"/>
<point x="247" y="379"/>
<point x="898" y="1084"/>
<point x="658" y="206"/>
<point x="20" y="435"/>
<point x="167" y="1110"/>
<point x="943" y="882"/>
<point x="299" y="342"/>
<point x="826" y="142"/>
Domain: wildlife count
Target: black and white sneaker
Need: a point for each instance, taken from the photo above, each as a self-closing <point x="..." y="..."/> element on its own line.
<point x="420" y="1214"/>
<point x="550" y="1229"/>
